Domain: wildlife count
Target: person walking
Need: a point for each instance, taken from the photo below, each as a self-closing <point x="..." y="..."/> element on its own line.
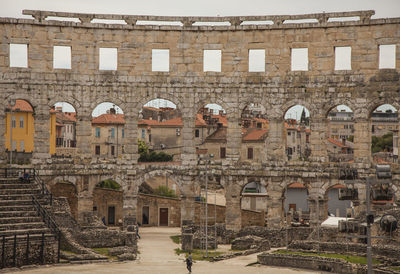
<point x="189" y="262"/>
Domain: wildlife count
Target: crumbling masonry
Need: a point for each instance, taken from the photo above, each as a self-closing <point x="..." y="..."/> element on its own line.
<point x="320" y="89"/>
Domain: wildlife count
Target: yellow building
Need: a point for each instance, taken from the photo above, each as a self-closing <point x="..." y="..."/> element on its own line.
<point x="23" y="128"/>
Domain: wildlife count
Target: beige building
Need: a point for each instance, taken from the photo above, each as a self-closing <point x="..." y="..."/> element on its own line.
<point x="297" y="140"/>
<point x="108" y="134"/>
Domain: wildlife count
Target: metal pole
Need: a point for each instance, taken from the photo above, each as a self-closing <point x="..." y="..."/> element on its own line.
<point x="287" y="211"/>
<point x="11" y="148"/>
<point x="206" y="208"/>
<point x="318" y="239"/>
<point x="215" y="220"/>
<point x="369" y="257"/>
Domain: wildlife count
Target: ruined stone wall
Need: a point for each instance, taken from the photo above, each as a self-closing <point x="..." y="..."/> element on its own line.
<point x="68" y="191"/>
<point x="133" y="84"/>
<point x="155" y="203"/>
<point x="105" y="198"/>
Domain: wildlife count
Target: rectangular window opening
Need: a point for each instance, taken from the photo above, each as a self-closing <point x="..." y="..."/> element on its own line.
<point x="108" y="58"/>
<point x="387" y="56"/>
<point x="256" y="60"/>
<point x="160" y="60"/>
<point x="62" y="57"/>
<point x="97" y="132"/>
<point x="342" y="58"/>
<point x="212" y="60"/>
<point x="222" y="153"/>
<point x="299" y="59"/>
<point x="21" y="122"/>
<point x="18" y="55"/>
<point x="97" y="150"/>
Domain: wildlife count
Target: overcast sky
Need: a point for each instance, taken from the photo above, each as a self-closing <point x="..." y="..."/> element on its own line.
<point x="383" y="8"/>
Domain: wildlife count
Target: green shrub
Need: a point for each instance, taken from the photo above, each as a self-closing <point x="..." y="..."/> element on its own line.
<point x="110" y="184"/>
<point x="165" y="192"/>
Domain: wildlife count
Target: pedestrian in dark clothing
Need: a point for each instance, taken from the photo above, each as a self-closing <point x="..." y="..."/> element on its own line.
<point x="26" y="177"/>
<point x="189" y="262"/>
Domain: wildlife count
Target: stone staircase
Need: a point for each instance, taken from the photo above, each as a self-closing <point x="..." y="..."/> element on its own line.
<point x="24" y="236"/>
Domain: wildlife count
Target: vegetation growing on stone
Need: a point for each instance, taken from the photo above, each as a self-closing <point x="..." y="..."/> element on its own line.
<point x="147" y="156"/>
<point x="110" y="184"/>
<point x="165" y="192"/>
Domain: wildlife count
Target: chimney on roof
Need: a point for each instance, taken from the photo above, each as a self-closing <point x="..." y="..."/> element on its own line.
<point x="112" y="111"/>
<point x="344" y="141"/>
<point x="58" y="109"/>
<point x="221" y="112"/>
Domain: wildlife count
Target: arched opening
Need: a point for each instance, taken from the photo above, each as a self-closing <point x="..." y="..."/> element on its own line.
<point x="159" y="202"/>
<point x="340" y="139"/>
<point x="19" y="134"/>
<point x="108" y="202"/>
<point x="297" y="133"/>
<point x="385" y="134"/>
<point x="69" y="191"/>
<point x="254" y="197"/>
<point x="295" y="200"/>
<point x="64" y="128"/>
<point x="160" y="132"/>
<point x="210" y="131"/>
<point x="108" y="131"/>
<point x="336" y="206"/>
<point x="254" y="132"/>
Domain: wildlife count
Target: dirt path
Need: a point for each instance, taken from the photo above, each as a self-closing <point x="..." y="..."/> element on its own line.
<point x="157" y="256"/>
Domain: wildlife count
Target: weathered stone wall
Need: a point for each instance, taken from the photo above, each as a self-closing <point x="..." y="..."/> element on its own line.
<point x="103" y="199"/>
<point x="68" y="191"/>
<point x="155" y="203"/>
<point x="307" y="262"/>
<point x="133" y="84"/>
<point x="252" y="218"/>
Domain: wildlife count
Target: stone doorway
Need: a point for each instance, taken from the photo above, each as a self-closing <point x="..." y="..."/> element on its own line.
<point x="145" y="215"/>
<point x="163" y="216"/>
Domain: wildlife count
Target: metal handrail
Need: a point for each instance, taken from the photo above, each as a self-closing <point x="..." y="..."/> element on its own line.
<point x="47" y="219"/>
<point x="44" y="190"/>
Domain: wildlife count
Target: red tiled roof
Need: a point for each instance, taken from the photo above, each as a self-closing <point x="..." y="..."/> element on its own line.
<point x="200" y="121"/>
<point x="339" y="186"/>
<point x="296" y="185"/>
<point x="255" y="135"/>
<point x="109" y="118"/>
<point x="336" y="142"/>
<point x="221" y="119"/>
<point x="22" y="106"/>
<point x="177" y="122"/>
<point x="66" y="116"/>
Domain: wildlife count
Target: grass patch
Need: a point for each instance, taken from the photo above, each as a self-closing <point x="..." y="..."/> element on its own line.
<point x="176" y="239"/>
<point x="104" y="251"/>
<point x="198" y="254"/>
<point x="69" y="252"/>
<point x="396" y="268"/>
<point x="347" y="258"/>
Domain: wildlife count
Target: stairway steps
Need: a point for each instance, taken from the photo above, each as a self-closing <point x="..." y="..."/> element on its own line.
<point x="16" y="185"/>
<point x="32" y="237"/>
<point x="13" y="192"/>
<point x="19" y="226"/>
<point x="24" y="212"/>
<point x="25" y="231"/>
<point x="10" y="203"/>
<point x="17" y="220"/>
<point x="16" y="197"/>
<point x="16" y="206"/>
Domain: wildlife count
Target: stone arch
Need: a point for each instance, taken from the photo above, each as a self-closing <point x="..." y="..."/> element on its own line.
<point x="328" y="107"/>
<point x="12" y="98"/>
<point x="145" y="176"/>
<point x="209" y="100"/>
<point x="256" y="199"/>
<point x="170" y="97"/>
<point x="117" y="103"/>
<point x="67" y="99"/>
<point x="301" y="102"/>
<point x="67" y="189"/>
<point x="374" y="104"/>
<point x="296" y="188"/>
<point x="333" y="203"/>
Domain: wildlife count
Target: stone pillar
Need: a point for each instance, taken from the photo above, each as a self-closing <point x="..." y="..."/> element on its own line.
<point x="188" y="153"/>
<point x="83" y="135"/>
<point x="233" y="214"/>
<point x="233" y="138"/>
<point x="275" y="140"/>
<point x="187" y="200"/>
<point x="3" y="154"/>
<point x="312" y="206"/>
<point x="41" y="141"/>
<point x="85" y="206"/>
<point x="129" y="209"/>
<point x="318" y="137"/>
<point x="130" y="139"/>
<point x="274" y="210"/>
<point x="362" y="140"/>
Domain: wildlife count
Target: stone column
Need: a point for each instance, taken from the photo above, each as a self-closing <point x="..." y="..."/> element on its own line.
<point x="312" y="206"/>
<point x="233" y="214"/>
<point x="362" y="140"/>
<point x="233" y="138"/>
<point x="275" y="140"/>
<point x="85" y="206"/>
<point x="3" y="154"/>
<point x="129" y="209"/>
<point x="274" y="210"/>
<point x="318" y="137"/>
<point x="83" y="135"/>
<point x="130" y="139"/>
<point x="188" y="152"/>
<point x="187" y="200"/>
<point x="41" y="141"/>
